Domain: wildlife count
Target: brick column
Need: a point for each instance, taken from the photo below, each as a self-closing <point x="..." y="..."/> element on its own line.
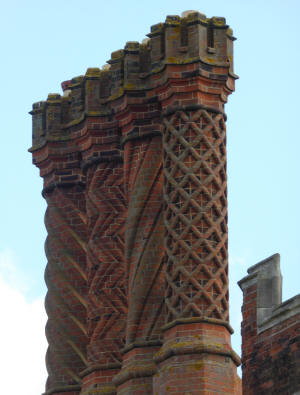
<point x="143" y="248"/>
<point x="65" y="220"/>
<point x="197" y="333"/>
<point x="139" y="120"/>
<point x="106" y="276"/>
<point x="102" y="163"/>
<point x="196" y="356"/>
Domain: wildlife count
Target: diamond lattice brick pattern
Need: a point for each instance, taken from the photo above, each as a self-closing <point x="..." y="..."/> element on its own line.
<point x="195" y="194"/>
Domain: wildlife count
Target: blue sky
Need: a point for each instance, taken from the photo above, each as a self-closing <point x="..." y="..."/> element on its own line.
<point x="44" y="43"/>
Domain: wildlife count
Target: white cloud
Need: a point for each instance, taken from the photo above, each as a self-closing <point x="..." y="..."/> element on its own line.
<point x="22" y="340"/>
<point x="239" y="261"/>
<point x="9" y="272"/>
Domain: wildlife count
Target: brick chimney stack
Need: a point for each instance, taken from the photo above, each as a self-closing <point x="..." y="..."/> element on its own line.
<point x="133" y="157"/>
<point x="196" y="353"/>
<point x="58" y="159"/>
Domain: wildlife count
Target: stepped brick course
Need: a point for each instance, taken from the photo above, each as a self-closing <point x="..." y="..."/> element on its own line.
<point x="133" y="158"/>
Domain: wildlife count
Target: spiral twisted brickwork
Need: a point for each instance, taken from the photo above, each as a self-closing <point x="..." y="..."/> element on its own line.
<point x="195" y="195"/>
<point x="65" y="276"/>
<point x="144" y="238"/>
<point x="107" y="304"/>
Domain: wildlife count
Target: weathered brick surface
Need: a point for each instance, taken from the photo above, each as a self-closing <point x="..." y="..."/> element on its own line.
<point x="144" y="256"/>
<point x="102" y="163"/>
<point x="145" y="139"/>
<point x="144" y="239"/>
<point x="196" y="358"/>
<point x="270" y="349"/>
<point x="65" y="220"/>
<point x="196" y="215"/>
<point x="66" y="280"/>
<point x="106" y="299"/>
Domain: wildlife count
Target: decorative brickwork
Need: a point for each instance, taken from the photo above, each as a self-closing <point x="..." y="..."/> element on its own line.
<point x="65" y="276"/>
<point x="102" y="163"/>
<point x="144" y="138"/>
<point x="144" y="240"/>
<point x="195" y="195"/>
<point x="106" y="270"/>
<point x="107" y="299"/>
<point x="144" y="255"/>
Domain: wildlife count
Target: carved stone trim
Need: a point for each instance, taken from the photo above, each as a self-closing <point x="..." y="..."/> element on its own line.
<point x="193" y="107"/>
<point x="194" y="347"/>
<point x="192" y="320"/>
<point x="97" y="367"/>
<point x="135" y="372"/>
<point x="67" y="388"/>
<point x="139" y="344"/>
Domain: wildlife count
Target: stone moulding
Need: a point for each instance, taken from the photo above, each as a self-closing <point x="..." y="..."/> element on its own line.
<point x="194" y="347"/>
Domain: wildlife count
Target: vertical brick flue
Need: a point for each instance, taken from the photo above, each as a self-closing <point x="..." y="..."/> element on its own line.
<point x="133" y="158"/>
<point x="196" y="215"/>
<point x="65" y="247"/>
<point x="106" y="297"/>
<point x="66" y="281"/>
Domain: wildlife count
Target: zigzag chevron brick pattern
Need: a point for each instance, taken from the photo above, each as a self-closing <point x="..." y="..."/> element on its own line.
<point x="195" y="195"/>
<point x="107" y="300"/>
<point x="65" y="276"/>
